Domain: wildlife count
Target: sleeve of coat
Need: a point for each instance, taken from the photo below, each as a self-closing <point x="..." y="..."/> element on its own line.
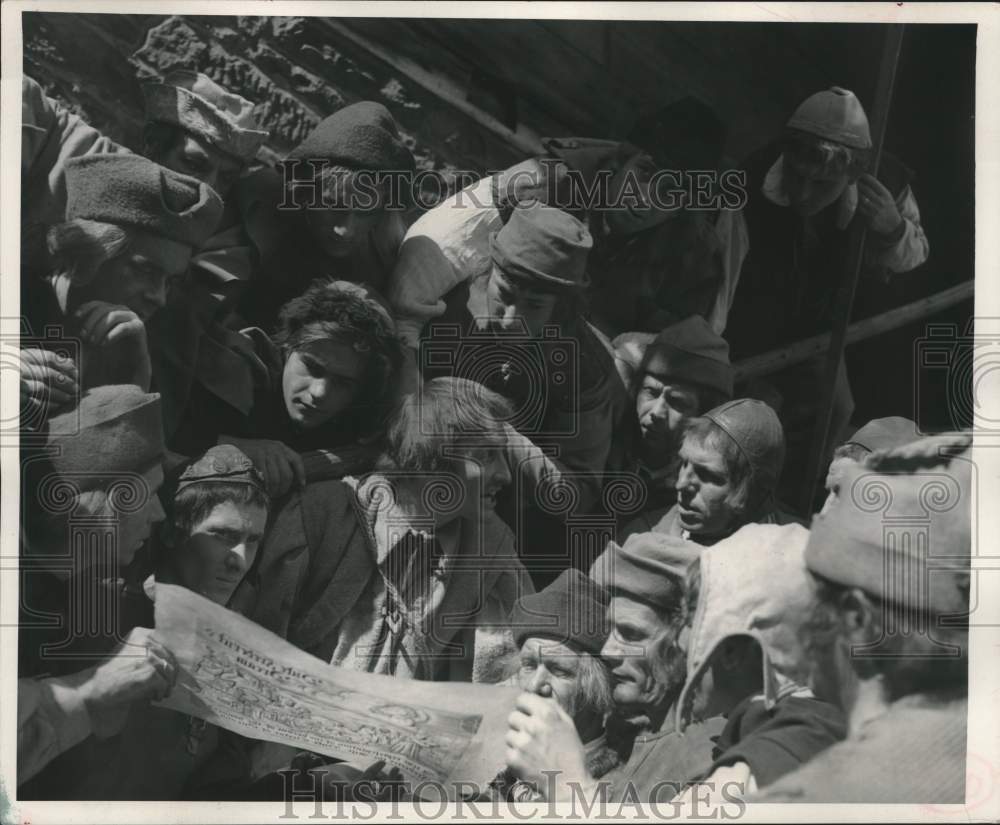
<point x="731" y="229"/>
<point x="589" y="419"/>
<point x="52" y="135"/>
<point x="911" y="248"/>
<point x="446" y="246"/>
<point x="51" y="719"/>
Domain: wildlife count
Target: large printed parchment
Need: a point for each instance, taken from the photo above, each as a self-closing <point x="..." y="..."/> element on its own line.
<point x="235" y="674"/>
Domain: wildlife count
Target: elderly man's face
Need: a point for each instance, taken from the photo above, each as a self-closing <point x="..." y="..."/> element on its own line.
<point x="548" y="665"/>
<point x="662" y="407"/>
<point x="634" y="653"/>
<point x="704" y="490"/>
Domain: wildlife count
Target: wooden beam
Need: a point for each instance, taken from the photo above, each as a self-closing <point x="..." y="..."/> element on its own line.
<point x="879" y="118"/>
<point x="770" y="362"/>
<point x="524" y="141"/>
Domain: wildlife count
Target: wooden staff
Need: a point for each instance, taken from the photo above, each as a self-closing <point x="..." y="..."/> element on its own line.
<point x="855" y="258"/>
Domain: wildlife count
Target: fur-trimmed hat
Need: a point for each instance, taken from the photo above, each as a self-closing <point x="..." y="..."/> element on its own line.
<point x="197" y="104"/>
<point x="130" y="190"/>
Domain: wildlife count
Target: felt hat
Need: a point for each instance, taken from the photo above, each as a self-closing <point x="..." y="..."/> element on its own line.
<point x="901" y="527"/>
<point x="690" y="351"/>
<point x="756" y="430"/>
<point x="115" y="429"/>
<point x="222" y="463"/>
<point x="649" y="567"/>
<point x="196" y="103"/>
<point x="885" y="433"/>
<point x="545" y="245"/>
<point x="685" y="135"/>
<point x="572" y="610"/>
<point x="130" y="190"/>
<point x="836" y="115"/>
<point x="753" y="583"/>
<point x="362" y="136"/>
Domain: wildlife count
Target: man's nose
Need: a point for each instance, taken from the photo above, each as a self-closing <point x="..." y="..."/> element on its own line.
<point x="685" y="479"/>
<point x="539" y="680"/>
<point x="318" y="389"/>
<point x="236" y="558"/>
<point x="660" y="409"/>
<point x="156" y="512"/>
<point x="499" y="471"/>
<point x="157" y="294"/>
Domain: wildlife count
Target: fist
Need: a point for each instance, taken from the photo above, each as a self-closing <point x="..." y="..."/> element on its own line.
<point x="103" y="324"/>
<point x="541" y="738"/>
<point x="280" y="465"/>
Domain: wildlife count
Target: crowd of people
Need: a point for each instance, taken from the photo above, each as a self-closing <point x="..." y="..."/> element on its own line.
<point x="378" y="438"/>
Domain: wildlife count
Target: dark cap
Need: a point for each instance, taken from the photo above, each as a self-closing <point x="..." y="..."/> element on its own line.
<point x="571" y="610"/>
<point x="222" y="463"/>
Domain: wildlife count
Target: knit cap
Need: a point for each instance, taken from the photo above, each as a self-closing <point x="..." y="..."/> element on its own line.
<point x="572" y="610"/>
<point x="756" y="430"/>
<point x="130" y="190"/>
<point x="690" y="351"/>
<point x="649" y="567"/>
<point x="222" y="463"/>
<point x="362" y="136"/>
<point x="835" y="114"/>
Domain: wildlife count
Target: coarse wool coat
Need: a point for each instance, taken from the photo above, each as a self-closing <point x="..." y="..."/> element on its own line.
<point x="328" y="579"/>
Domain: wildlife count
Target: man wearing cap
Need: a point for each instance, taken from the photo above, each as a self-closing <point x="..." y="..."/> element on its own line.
<point x="674" y="376"/>
<point x="516" y="328"/>
<point x="647" y="612"/>
<point x="878" y="434"/>
<point x="888" y="640"/>
<point x="336" y="209"/>
<point x="561" y="631"/>
<point x="651" y="264"/>
<point x="804" y="193"/>
<point x="92" y="491"/>
<point x="217" y="514"/>
<point x="131" y="226"/>
<point x="746" y="661"/>
<point x="730" y="461"/>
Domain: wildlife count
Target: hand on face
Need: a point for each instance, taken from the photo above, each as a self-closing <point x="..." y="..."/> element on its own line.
<point x="141" y="670"/>
<point x="541" y="737"/>
<point x="550" y="668"/>
<point x="877" y="206"/>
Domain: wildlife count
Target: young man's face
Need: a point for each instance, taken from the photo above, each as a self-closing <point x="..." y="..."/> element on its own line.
<point x="514" y="309"/>
<point x="552" y="664"/>
<point x="704" y="490"/>
<point x="484" y="473"/>
<point x="343" y="229"/>
<point x="138" y="279"/>
<point x="662" y="407"/>
<point x="809" y="189"/>
<point x="135" y="528"/>
<point x="199" y="159"/>
<point x="321" y="379"/>
<point x="633" y="653"/>
<point x="633" y="204"/>
<point x="220" y="549"/>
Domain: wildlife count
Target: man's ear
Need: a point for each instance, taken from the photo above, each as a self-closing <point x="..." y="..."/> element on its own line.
<point x="857" y="615"/>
